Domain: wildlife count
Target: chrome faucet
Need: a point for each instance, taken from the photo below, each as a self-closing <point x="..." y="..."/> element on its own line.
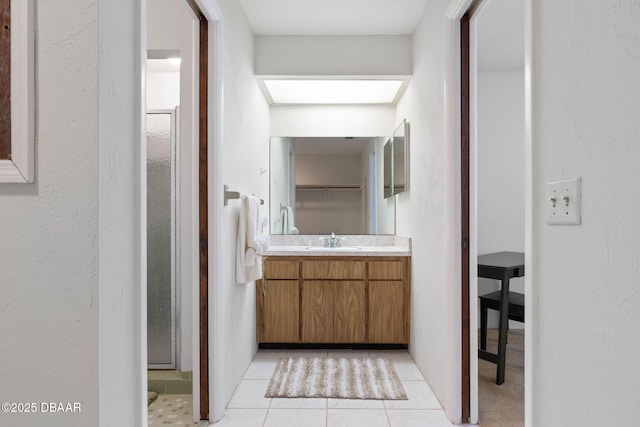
<point x="332" y="241"/>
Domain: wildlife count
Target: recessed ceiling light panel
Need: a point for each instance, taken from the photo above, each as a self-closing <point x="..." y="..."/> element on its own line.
<point x="333" y="91"/>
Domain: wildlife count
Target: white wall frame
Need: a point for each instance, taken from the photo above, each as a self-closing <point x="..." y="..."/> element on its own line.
<point x="473" y="216"/>
<point x="473" y="209"/>
<point x="122" y="248"/>
<point x="21" y="167"/>
<point x="530" y="257"/>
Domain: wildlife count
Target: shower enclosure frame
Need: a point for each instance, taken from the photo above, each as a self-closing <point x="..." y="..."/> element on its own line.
<point x="175" y="231"/>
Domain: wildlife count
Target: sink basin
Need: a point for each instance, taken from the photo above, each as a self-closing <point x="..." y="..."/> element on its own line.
<point x="326" y="248"/>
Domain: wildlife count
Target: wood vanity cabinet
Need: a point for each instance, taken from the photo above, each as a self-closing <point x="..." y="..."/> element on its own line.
<point x="333" y="301"/>
<point x="388" y="302"/>
<point x="278" y="303"/>
<point x="355" y="300"/>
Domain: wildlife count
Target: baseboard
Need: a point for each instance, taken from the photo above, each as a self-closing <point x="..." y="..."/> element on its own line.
<point x="170" y="382"/>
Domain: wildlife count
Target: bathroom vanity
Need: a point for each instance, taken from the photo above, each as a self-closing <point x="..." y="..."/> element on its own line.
<point x="350" y="295"/>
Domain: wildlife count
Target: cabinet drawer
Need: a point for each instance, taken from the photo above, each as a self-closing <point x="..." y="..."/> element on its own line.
<point x="386" y="270"/>
<point x="333" y="269"/>
<point x="281" y="269"/>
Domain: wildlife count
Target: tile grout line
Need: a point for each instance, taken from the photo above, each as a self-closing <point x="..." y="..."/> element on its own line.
<point x="266" y="414"/>
<point x="386" y="413"/>
<point x="326" y="408"/>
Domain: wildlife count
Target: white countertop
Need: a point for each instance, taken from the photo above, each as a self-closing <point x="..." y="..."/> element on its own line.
<point x="346" y="251"/>
<point x="353" y="245"/>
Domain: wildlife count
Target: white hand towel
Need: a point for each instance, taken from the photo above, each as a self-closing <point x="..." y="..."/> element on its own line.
<point x="284" y="220"/>
<point x="290" y="221"/>
<point x="251" y="244"/>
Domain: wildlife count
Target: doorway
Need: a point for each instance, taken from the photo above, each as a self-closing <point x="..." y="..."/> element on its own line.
<point x="499" y="183"/>
<point x="492" y="155"/>
<point x="175" y="32"/>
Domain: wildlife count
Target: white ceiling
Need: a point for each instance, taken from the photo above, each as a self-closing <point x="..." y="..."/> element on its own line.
<point x="500" y="23"/>
<point x="333" y="17"/>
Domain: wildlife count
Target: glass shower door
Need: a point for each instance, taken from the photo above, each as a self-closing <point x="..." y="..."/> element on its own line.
<point x="161" y="283"/>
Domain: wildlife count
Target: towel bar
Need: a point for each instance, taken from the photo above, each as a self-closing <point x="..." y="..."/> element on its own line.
<point x="228" y="195"/>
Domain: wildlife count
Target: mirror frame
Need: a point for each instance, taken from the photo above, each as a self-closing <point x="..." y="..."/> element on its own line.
<point x="388" y="168"/>
<point x="401" y="134"/>
<point x="390" y="187"/>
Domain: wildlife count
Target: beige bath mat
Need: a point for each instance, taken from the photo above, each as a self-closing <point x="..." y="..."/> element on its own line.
<point x="343" y="378"/>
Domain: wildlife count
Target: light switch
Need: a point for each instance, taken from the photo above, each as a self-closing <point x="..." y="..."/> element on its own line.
<point x="563" y="202"/>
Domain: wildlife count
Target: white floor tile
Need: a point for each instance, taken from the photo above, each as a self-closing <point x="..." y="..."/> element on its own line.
<point x="260" y="369"/>
<point x="250" y="395"/>
<point x="354" y="404"/>
<point x="298" y="403"/>
<point x="420" y="397"/>
<point x="392" y="354"/>
<point x="407" y="370"/>
<point x="296" y="418"/>
<point x="418" y="418"/>
<point x="357" y="417"/>
<point x="242" y="418"/>
<point x="248" y="406"/>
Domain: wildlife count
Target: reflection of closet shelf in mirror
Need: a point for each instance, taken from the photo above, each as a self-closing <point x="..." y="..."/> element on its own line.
<point x="328" y="187"/>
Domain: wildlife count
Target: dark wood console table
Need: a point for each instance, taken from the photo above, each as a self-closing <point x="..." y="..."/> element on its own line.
<point x="500" y="266"/>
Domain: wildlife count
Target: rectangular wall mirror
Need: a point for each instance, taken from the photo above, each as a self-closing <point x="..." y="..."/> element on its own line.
<point x="318" y="185"/>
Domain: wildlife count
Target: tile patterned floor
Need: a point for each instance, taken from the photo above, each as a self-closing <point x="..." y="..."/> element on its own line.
<point x="171" y="410"/>
<point x="249" y="408"/>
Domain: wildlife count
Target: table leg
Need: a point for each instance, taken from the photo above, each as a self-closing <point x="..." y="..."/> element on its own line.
<point x="503" y="329"/>
<point x="483" y="326"/>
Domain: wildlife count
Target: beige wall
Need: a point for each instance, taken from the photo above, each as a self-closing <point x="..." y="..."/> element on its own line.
<point x="586" y="122"/>
<point x="426" y="212"/>
<point x="49" y="229"/>
<point x="242" y="162"/>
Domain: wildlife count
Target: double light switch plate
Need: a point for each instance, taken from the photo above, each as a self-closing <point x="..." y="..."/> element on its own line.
<point x="563" y="202"/>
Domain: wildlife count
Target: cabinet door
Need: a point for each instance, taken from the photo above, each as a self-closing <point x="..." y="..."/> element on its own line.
<point x="348" y="312"/>
<point x="386" y="312"/>
<point x="317" y="311"/>
<point x="281" y="311"/>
